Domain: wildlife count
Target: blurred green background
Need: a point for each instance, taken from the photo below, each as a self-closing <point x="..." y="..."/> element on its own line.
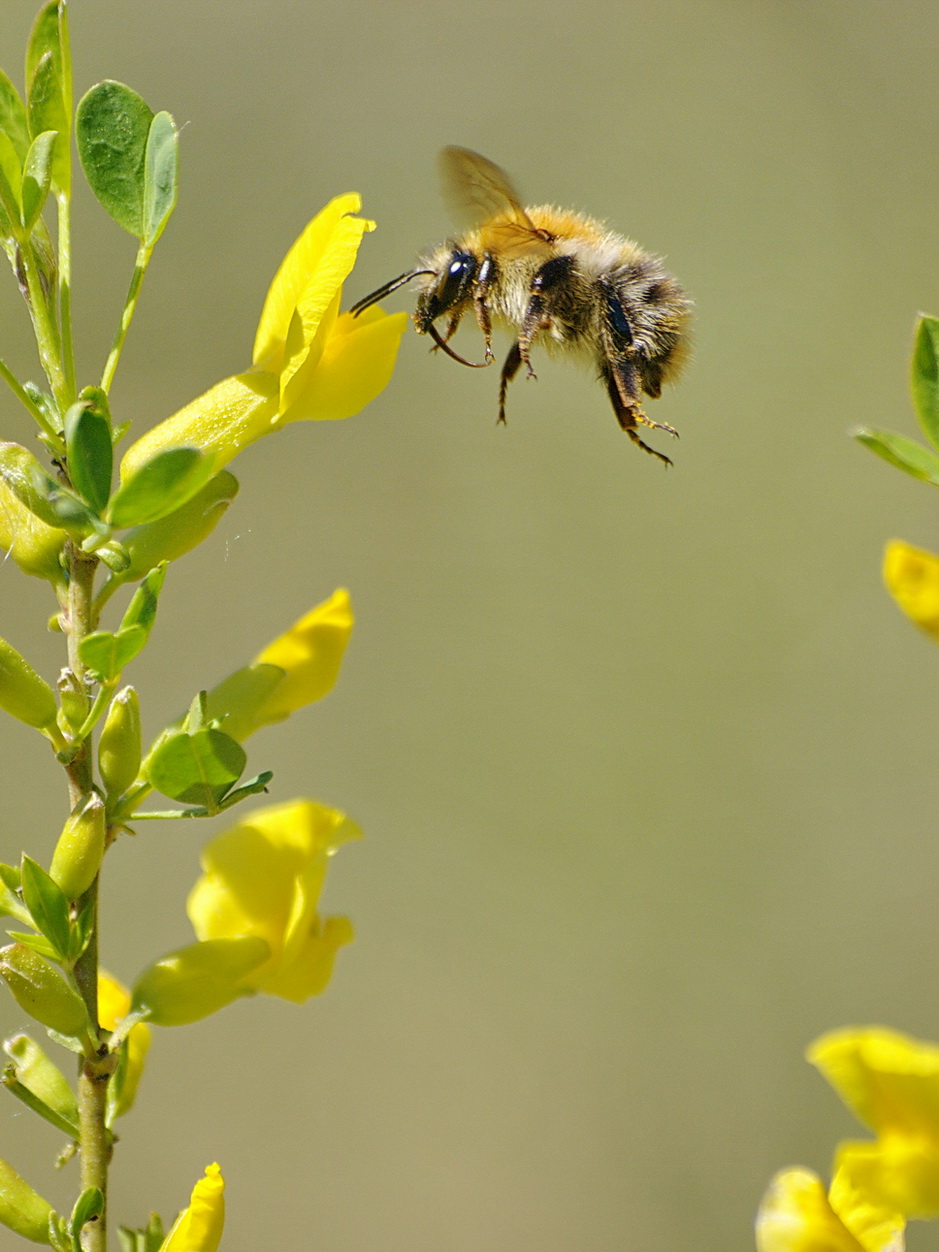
<point x="645" y="760"/>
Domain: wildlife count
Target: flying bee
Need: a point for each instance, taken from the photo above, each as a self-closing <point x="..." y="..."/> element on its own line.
<point x="555" y="277"/>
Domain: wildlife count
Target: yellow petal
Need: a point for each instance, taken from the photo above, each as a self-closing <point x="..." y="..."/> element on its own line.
<point x="220" y="423"/>
<point x="877" y="1226"/>
<point x="113" y="1005"/>
<point x="310" y="274"/>
<point x="912" y="578"/>
<point x="199" y="1227"/>
<point x="890" y="1081"/>
<point x="309" y="972"/>
<point x="795" y="1216"/>
<point x="309" y="653"/>
<point x="897" y="1172"/>
<point x="356" y="365"/>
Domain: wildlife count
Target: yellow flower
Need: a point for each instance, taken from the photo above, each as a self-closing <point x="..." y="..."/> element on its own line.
<point x="199" y="1227"/>
<point x="297" y="668"/>
<point x="310" y="361"/>
<point x="912" y="578"/>
<point x="797" y="1216"/>
<point x="263" y="877"/>
<point x="891" y="1083"/>
<point x="113" y="1005"/>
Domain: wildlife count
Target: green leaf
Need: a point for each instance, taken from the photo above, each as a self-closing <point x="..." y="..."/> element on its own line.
<point x="37" y="177"/>
<point x="44" y="37"/>
<point x="112" y="126"/>
<point x="45" y="107"/>
<point x="198" y="768"/>
<point x="160" y="177"/>
<point x="253" y="787"/>
<point x="88" y="1208"/>
<point x="924" y="381"/>
<point x="162" y="484"/>
<point x="143" y="606"/>
<point x="47" y="905"/>
<point x="39" y="1083"/>
<point x="11" y="188"/>
<point x="89" y="449"/>
<point x="10" y="903"/>
<point x="905" y="454"/>
<point x="38" y="943"/>
<point x="105" y="654"/>
<point x="13" y="117"/>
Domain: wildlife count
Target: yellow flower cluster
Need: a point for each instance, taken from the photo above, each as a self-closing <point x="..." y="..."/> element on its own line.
<point x="891" y="1083"/>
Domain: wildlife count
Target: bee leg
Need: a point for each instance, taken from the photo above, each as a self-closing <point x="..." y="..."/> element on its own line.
<point x="453" y="323"/>
<point x="485" y="277"/>
<point x="538" y="313"/>
<point x="628" y="413"/>
<point x="511" y="367"/>
<point x="621" y="351"/>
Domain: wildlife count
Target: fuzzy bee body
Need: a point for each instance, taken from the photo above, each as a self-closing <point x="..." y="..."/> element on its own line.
<point x="554" y="277"/>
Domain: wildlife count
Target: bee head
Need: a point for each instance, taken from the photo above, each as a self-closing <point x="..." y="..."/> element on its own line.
<point x="453" y="283"/>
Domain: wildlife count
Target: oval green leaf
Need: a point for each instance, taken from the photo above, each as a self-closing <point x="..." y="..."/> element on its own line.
<point x="162" y="484"/>
<point x="198" y="768"/>
<point x="924" y="381"/>
<point x="112" y="126"/>
<point x="905" y="454"/>
<point x="45" y="107"/>
<point x="37" y="177"/>
<point x="11" y="187"/>
<point x="47" y="905"/>
<point x="160" y="177"/>
<point x="89" y="450"/>
<point x="13" y="121"/>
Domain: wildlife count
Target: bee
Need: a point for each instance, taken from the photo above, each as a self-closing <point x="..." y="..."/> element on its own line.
<point x="554" y="277"/>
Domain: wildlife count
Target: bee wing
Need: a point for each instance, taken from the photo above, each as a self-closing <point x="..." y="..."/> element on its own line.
<point x="476" y="190"/>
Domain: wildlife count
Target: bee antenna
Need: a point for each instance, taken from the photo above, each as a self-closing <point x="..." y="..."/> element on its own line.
<point x="367" y="301"/>
<point x="442" y="343"/>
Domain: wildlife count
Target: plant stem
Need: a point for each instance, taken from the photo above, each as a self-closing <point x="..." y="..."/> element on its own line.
<point x="23" y="396"/>
<point x="127" y="316"/>
<point x="65" y="292"/>
<point x="94" y="1070"/>
<point x="45" y="328"/>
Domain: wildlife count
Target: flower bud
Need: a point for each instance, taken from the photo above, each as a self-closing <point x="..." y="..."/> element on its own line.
<point x="200" y="979"/>
<point x="23" y="694"/>
<point x="40" y="990"/>
<point x="73" y="700"/>
<point x="180" y="531"/>
<point x="41" y="1077"/>
<point x="119" y="747"/>
<point x="79" y="852"/>
<point x="33" y="545"/>
<point x="21" y="1209"/>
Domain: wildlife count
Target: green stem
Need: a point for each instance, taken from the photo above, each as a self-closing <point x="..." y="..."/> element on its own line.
<point x="44" y="327"/>
<point x="94" y="1070"/>
<point x="65" y="293"/>
<point x="127" y="316"/>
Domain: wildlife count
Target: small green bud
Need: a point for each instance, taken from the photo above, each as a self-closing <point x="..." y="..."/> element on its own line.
<point x="33" y="545"/>
<point x="73" y="701"/>
<point x="40" y="990"/>
<point x="200" y="979"/>
<point x="21" y="1208"/>
<point x="23" y="694"/>
<point x="119" y="749"/>
<point x="42" y="1077"/>
<point x="80" y="850"/>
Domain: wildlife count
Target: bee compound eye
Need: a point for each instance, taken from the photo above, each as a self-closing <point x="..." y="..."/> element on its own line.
<point x="455" y="279"/>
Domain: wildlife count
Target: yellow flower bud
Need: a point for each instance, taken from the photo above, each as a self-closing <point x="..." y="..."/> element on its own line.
<point x="113" y="1006"/>
<point x="21" y="1209"/>
<point x="33" y="545"/>
<point x="309" y="654"/>
<point x="198" y="1228"/>
<point x="79" y="852"/>
<point x="119" y="749"/>
<point x="40" y="990"/>
<point x="23" y="694"/>
<point x="912" y="578"/>
<point x="193" y="982"/>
